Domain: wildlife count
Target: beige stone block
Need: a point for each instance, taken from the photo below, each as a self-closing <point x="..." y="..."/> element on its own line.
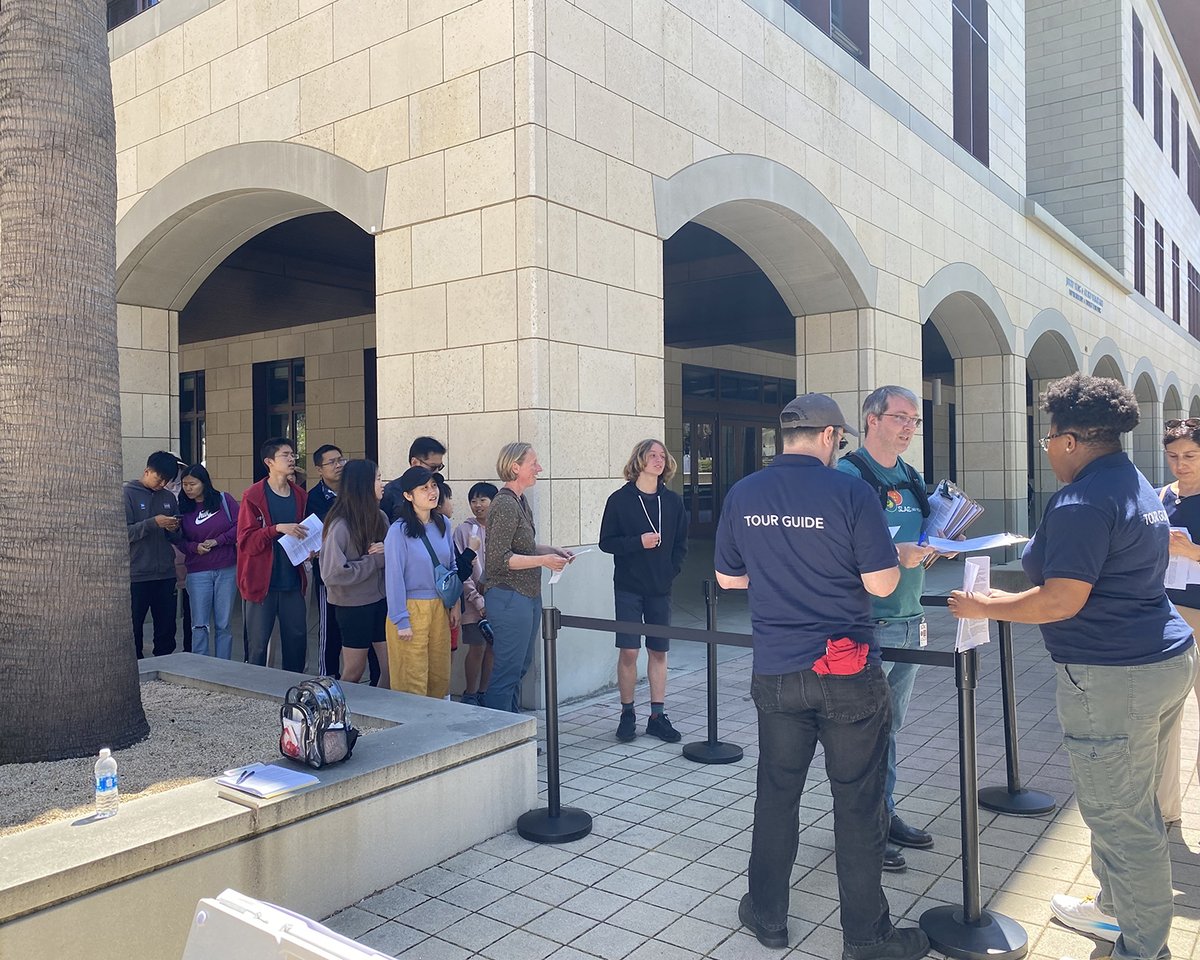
<point x="265" y="349"/>
<point x="593" y="494"/>
<point x="159" y="60"/>
<point x="533" y="302"/>
<point x="393" y="260"/>
<point x="416" y="191"/>
<point x="499" y="238"/>
<point x="143" y="371"/>
<point x="481" y="173"/>
<point x="318" y="342"/>
<point x="741" y="131"/>
<point x="274" y="115"/>
<point x="319" y="393"/>
<point x="319" y="138"/>
<point x="444" y="116"/>
<point x="647" y="264"/>
<point x="625" y="433"/>
<point x="578" y="310"/>
<point x="575" y="175"/>
<point x="722" y="62"/>
<point x="473" y="441"/>
<point x="374" y="138"/>
<point x="124" y="78"/>
<point x="603" y="120"/>
<point x="563" y="374"/>
<point x="127" y="172"/>
<point x="689" y="103"/>
<point x="560" y="100"/>
<point x="347" y="389"/>
<point x="241" y="351"/>
<point x="156" y="415"/>
<point x="607" y="381"/>
<point x="300" y="47"/>
<point x="501" y="376"/>
<point x="216" y="401"/>
<point x="564" y="512"/>
<point x="259" y="17"/>
<point x="632" y="71"/>
<point x="481" y="310"/>
<point x="447" y="249"/>
<point x="530" y="224"/>
<point x="531" y="161"/>
<point x="129" y="326"/>
<point x="411" y="320"/>
<point x="137" y="120"/>
<point x="580" y="444"/>
<point x="635" y="322"/>
<point x="291" y="345"/>
<point x="209" y="35"/>
<point x="395" y="386"/>
<point x="125" y="203"/>
<point x="239" y="75"/>
<point x="359" y="24"/>
<point x="477" y="36"/>
<point x="335" y="92"/>
<point x="742" y="27"/>
<point x="560" y="238"/>
<point x="659" y="146"/>
<point x="630" y="196"/>
<point x="575" y="40"/>
<point x="532" y="381"/>
<point x="211" y="132"/>
<point x="185" y="98"/>
<point x="407" y="63"/>
<point x="648" y="374"/>
<point x="605" y="251"/>
<point x="158" y="157"/>
<point x="155" y="329"/>
<point x="131" y="414"/>
<point x="497" y="98"/>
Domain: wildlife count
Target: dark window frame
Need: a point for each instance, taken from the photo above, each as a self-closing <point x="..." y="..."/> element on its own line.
<point x="1160" y="266"/>
<point x="1157" y="74"/>
<point x="1139" y="245"/>
<point x="122" y="11"/>
<point x="970" y="70"/>
<point x="846" y="22"/>
<point x="268" y="411"/>
<point x="1193" y="169"/>
<point x="1175" y="133"/>
<point x="1176" y="313"/>
<point x="1139" y="67"/>
<point x="1193" y="301"/>
<point x="192" y="417"/>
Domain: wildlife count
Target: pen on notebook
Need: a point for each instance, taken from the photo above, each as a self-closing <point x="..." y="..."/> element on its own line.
<point x="244" y="775"/>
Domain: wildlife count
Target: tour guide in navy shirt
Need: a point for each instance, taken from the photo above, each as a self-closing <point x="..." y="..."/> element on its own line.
<point x="1125" y="658"/>
<point x="811" y="544"/>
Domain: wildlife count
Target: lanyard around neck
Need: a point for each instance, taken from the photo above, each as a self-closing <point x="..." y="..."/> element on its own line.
<point x="642" y="501"/>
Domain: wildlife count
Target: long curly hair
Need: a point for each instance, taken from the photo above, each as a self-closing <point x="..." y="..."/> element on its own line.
<point x="1098" y="409"/>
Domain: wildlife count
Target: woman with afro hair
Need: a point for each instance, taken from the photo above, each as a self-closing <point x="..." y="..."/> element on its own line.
<point x="1125" y="659"/>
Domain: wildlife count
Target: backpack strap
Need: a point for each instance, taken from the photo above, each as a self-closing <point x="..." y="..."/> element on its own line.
<point x="913" y="483"/>
<point x="225" y="507"/>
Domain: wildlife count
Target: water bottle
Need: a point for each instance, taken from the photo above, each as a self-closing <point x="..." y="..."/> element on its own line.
<point x="485" y="629"/>
<point x="106" y="785"/>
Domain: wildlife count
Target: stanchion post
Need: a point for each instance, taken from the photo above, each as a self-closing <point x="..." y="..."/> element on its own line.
<point x="712" y="750"/>
<point x="553" y="823"/>
<point x="969" y="932"/>
<point x="1012" y="798"/>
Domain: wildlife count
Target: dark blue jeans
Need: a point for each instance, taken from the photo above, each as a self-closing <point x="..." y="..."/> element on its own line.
<point x="850" y="717"/>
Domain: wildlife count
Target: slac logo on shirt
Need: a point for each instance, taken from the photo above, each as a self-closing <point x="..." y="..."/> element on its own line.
<point x="895" y="500"/>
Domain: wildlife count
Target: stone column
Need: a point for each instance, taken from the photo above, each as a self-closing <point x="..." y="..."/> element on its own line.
<point x="148" y="348"/>
<point x="1147" y="441"/>
<point x="992" y="439"/>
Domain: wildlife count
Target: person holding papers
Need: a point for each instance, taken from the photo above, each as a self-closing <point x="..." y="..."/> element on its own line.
<point x="1124" y="657"/>
<point x="890" y="419"/>
<point x="1181" y="499"/>
<point x="271" y="585"/>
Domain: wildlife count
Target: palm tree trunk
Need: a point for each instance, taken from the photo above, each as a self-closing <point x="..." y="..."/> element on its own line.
<point x="68" y="673"/>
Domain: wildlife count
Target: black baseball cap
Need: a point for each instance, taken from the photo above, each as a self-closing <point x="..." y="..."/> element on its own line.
<point x="816" y="411"/>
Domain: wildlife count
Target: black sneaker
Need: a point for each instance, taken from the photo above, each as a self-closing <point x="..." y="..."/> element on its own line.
<point x="627" y="728"/>
<point x="905" y="943"/>
<point x="775" y="939"/>
<point x="659" y="725"/>
<point x="893" y="860"/>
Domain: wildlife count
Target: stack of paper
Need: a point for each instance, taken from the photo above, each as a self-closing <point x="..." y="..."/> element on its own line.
<point x="977" y="578"/>
<point x="266" y="780"/>
<point x="950" y="513"/>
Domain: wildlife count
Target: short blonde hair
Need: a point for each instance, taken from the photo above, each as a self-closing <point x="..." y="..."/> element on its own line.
<point x="510" y="455"/>
<point x="637" y="461"/>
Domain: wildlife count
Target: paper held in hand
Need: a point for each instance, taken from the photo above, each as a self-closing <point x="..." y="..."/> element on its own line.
<point x="297" y="550"/>
<point x="557" y="574"/>
<point x="1180" y="570"/>
<point x="977" y="578"/>
<point x="992" y="542"/>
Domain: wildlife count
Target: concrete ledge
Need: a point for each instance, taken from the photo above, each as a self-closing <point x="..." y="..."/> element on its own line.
<point x="381" y="816"/>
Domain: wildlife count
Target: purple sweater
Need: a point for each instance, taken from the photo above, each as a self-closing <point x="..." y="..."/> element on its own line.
<point x="201" y="525"/>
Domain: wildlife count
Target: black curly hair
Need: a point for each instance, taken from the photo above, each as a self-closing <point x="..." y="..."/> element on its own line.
<point x="1096" y="409"/>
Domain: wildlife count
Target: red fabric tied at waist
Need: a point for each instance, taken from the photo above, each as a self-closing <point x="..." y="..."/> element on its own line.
<point x="843" y="658"/>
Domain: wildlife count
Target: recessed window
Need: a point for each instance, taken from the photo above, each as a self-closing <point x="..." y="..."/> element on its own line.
<point x="1139" y="245"/>
<point x="192" y="445"/>
<point x="121" y="10"/>
<point x="1175" y="298"/>
<point x="971" y="112"/>
<point x="1158" y="103"/>
<point x="1139" y="66"/>
<point x="1160" y="267"/>
<point x="846" y="22"/>
<point x="1193" y="168"/>
<point x="279" y="406"/>
<point x="1193" y="302"/>
<point x="1174" y="133"/>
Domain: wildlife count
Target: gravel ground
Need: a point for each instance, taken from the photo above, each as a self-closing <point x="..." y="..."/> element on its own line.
<point x="194" y="735"/>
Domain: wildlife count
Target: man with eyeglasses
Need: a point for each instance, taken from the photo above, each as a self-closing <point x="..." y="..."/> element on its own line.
<point x="329" y="462"/>
<point x="811" y="547"/>
<point x="424" y="452"/>
<point x="272" y="587"/>
<point x="891" y="416"/>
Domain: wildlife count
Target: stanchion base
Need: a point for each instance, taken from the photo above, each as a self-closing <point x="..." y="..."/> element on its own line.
<point x="994" y="937"/>
<point x="570" y="824"/>
<point x="1019" y="803"/>
<point x="704" y="752"/>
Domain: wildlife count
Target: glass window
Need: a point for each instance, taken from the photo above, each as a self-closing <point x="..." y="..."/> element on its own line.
<point x="279" y="405"/>
<point x="1139" y="66"/>
<point x="1175" y="305"/>
<point x="1158" y="102"/>
<point x="1174" y="133"/>
<point x="970" y="66"/>
<point x="699" y="382"/>
<point x="846" y="22"/>
<point x="192" y="447"/>
<point x="1160" y="268"/>
<point x="741" y="386"/>
<point x="1139" y="245"/>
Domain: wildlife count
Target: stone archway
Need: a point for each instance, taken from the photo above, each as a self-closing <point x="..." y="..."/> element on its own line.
<point x="1052" y="352"/>
<point x="1147" y="435"/>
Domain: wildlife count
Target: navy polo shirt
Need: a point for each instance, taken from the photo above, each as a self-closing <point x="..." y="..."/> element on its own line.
<point x="1108" y="528"/>
<point x="805" y="534"/>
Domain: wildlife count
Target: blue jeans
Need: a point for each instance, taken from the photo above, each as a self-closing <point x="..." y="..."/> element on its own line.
<point x="1116" y="723"/>
<point x="211" y="593"/>
<point x="849" y="717"/>
<point x="900" y="678"/>
<point x="516" y="621"/>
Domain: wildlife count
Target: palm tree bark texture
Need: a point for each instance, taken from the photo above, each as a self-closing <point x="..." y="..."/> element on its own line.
<point x="68" y="670"/>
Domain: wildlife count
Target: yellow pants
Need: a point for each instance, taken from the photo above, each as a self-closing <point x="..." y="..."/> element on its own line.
<point x="421" y="663"/>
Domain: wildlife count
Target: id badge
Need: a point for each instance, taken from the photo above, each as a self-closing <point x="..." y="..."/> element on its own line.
<point x="924" y="633"/>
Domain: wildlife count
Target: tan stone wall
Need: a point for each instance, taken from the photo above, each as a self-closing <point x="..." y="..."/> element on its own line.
<point x="333" y="370"/>
<point x="147" y="341"/>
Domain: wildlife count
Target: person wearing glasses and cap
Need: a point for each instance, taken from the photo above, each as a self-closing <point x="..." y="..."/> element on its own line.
<point x="811" y="546"/>
<point x="1124" y="657"/>
<point x="891" y="416"/>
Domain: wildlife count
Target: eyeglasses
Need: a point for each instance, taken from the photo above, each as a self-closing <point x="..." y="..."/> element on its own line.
<point x="433" y="467"/>
<point x="1045" y="441"/>
<point x="1191" y="423"/>
<point x="335" y="462"/>
<point x="285" y="456"/>
<point x="908" y="421"/>
<point x="843" y="443"/>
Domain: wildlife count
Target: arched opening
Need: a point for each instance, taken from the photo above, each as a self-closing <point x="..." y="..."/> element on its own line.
<point x="1147" y="435"/>
<point x="1052" y="354"/>
<point x="1172" y="409"/>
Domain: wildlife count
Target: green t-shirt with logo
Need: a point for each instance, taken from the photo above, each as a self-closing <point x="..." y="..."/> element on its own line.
<point x="902" y="511"/>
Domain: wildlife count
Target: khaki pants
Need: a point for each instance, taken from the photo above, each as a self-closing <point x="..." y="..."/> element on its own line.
<point x="421" y="664"/>
<point x="1170" y="799"/>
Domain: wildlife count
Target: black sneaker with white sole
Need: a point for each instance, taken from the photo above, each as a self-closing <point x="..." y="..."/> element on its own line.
<point x="659" y="725"/>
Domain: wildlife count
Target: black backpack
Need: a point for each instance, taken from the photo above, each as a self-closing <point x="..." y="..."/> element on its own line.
<point x="914" y="482"/>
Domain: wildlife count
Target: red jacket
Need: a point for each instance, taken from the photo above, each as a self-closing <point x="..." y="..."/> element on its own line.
<point x="256" y="536"/>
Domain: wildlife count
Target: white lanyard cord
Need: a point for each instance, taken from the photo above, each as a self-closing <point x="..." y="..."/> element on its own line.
<point x="653" y="528"/>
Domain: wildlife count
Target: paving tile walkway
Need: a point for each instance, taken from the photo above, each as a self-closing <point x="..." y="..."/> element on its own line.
<point x="660" y="875"/>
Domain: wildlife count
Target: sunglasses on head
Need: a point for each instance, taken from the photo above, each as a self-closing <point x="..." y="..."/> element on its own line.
<point x="1191" y="423"/>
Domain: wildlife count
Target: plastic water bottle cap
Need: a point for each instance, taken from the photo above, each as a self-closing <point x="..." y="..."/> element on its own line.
<point x="105" y="752"/>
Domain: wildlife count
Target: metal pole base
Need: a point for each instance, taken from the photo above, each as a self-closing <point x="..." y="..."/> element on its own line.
<point x="994" y="937"/>
<point x="1018" y="803"/>
<point x="704" y="752"/>
<point x="570" y="824"/>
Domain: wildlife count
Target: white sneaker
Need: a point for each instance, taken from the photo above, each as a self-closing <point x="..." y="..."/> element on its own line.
<point x="1083" y="915"/>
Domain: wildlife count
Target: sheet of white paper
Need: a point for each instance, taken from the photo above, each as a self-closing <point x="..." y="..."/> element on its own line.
<point x="977" y="578"/>
<point x="1180" y="570"/>
<point x="557" y="575"/>
<point x="978" y="543"/>
<point x="297" y="550"/>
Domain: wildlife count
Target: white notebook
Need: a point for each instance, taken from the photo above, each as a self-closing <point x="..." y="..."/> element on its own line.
<point x="266" y="779"/>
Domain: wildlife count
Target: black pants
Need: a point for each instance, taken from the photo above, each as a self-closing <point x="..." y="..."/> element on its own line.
<point x="331" y="641"/>
<point x="288" y="607"/>
<point x="187" y="621"/>
<point x="157" y="597"/>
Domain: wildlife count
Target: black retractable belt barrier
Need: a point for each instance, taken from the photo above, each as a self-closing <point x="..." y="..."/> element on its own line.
<point x="553" y="823"/>
<point x="712" y="750"/>
<point x="1012" y="798"/>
